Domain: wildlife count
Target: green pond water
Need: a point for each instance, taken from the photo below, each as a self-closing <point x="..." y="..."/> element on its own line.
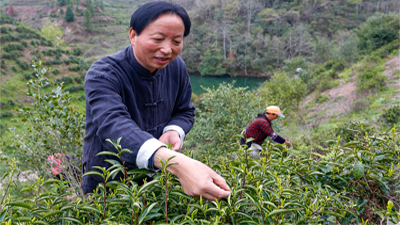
<point x="213" y="81"/>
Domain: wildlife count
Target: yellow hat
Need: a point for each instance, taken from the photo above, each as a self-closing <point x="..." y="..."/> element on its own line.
<point x="275" y="110"/>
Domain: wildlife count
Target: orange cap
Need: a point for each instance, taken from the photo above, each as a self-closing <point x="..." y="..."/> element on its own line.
<point x="275" y="110"/>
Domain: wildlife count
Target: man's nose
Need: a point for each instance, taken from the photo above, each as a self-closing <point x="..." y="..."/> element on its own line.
<point x="166" y="48"/>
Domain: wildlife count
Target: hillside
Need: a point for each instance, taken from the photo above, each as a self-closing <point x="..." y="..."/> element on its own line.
<point x="238" y="38"/>
<point x="325" y="42"/>
<point x="344" y="99"/>
<point x="20" y="47"/>
<point x="35" y="13"/>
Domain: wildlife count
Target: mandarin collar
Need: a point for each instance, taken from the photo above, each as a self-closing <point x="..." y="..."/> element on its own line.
<point x="262" y="115"/>
<point x="143" y="72"/>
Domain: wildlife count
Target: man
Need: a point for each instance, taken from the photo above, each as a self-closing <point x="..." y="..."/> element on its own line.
<point x="261" y="128"/>
<point x="142" y="94"/>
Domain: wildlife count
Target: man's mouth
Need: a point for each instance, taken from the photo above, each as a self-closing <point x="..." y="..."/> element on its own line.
<point x="162" y="60"/>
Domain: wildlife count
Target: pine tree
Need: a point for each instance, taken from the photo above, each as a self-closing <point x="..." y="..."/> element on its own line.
<point x="69" y="15"/>
<point x="87" y="20"/>
<point x="91" y="9"/>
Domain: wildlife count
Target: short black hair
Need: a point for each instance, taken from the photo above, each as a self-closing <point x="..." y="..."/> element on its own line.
<point x="150" y="11"/>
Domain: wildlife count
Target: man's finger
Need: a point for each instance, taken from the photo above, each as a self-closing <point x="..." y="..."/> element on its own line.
<point x="217" y="192"/>
<point x="175" y="147"/>
<point x="220" y="181"/>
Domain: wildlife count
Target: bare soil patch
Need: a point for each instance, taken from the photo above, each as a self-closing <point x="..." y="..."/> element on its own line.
<point x="341" y="99"/>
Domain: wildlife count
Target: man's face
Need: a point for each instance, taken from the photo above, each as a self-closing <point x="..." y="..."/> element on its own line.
<point x="159" y="43"/>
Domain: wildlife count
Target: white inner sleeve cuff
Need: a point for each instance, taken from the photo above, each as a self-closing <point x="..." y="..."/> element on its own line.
<point x="146" y="151"/>
<point x="177" y="129"/>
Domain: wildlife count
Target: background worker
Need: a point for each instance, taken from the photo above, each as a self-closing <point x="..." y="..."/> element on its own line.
<point x="261" y="128"/>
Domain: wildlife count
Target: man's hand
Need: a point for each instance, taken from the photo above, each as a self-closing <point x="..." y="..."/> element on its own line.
<point x="196" y="178"/>
<point x="171" y="137"/>
<point x="288" y="143"/>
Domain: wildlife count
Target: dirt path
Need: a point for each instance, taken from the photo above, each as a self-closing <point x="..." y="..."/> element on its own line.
<point x="393" y="74"/>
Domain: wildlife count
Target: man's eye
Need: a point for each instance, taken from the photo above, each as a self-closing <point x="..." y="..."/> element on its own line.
<point x="177" y="42"/>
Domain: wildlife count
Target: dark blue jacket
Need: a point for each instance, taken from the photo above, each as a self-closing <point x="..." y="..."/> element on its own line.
<point x="123" y="99"/>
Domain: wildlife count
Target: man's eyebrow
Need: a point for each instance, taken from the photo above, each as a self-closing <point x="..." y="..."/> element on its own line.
<point x="163" y="34"/>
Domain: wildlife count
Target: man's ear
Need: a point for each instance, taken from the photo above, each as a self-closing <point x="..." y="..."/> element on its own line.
<point x="132" y="36"/>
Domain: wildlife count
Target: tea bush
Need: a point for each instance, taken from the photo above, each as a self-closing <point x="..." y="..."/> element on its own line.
<point x="222" y="113"/>
<point x="391" y="115"/>
<point x="354" y="179"/>
<point x="370" y="78"/>
<point x="51" y="126"/>
<point x="348" y="184"/>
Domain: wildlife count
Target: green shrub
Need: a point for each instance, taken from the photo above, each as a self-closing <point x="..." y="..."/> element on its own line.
<point x="386" y="50"/>
<point x="24" y="43"/>
<point x="8" y="38"/>
<point x="11" y="47"/>
<point x="78" y="79"/>
<point x="65" y="80"/>
<point x="22" y="64"/>
<point x="352" y="131"/>
<point x="48" y="52"/>
<point x="56" y="71"/>
<point x="6" y="114"/>
<point x="348" y="50"/>
<point x="72" y="89"/>
<point x="391" y="115"/>
<point x="27" y="76"/>
<point x="370" y="78"/>
<point x="284" y="90"/>
<point x="3" y="30"/>
<point x="51" y="125"/>
<point x="322" y="98"/>
<point x="222" y="113"/>
<point x="82" y="65"/>
<point x="3" y="128"/>
<point x="77" y="51"/>
<point x="291" y="65"/>
<point x="378" y="31"/>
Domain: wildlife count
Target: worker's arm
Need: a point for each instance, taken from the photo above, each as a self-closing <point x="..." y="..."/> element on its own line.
<point x="196" y="178"/>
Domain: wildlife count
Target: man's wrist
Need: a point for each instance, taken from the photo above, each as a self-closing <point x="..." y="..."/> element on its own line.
<point x="165" y="154"/>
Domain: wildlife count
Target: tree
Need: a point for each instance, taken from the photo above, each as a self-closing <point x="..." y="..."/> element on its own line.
<point x="52" y="31"/>
<point x="99" y="4"/>
<point x="69" y="15"/>
<point x="90" y="7"/>
<point x="211" y="63"/>
<point x="284" y="90"/>
<point x="222" y="113"/>
<point x="87" y="20"/>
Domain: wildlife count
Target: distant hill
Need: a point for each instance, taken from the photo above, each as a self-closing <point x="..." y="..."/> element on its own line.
<point x="246" y="38"/>
<point x="235" y="37"/>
